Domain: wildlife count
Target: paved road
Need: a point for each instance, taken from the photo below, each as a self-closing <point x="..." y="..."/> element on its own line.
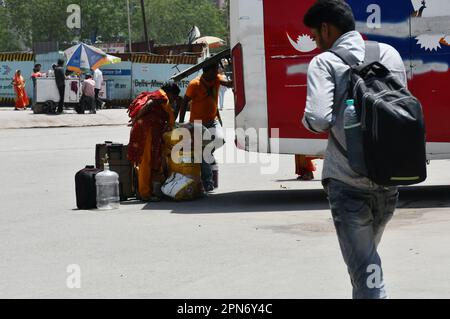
<point x="259" y="236"/>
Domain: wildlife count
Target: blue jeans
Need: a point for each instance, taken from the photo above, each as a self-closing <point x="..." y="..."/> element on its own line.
<point x="360" y="217"/>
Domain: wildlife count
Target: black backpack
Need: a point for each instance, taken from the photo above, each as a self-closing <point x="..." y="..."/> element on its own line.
<point x="392" y="123"/>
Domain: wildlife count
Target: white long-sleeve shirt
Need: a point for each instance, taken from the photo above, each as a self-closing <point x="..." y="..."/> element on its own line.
<point x="98" y="78"/>
<point x="328" y="80"/>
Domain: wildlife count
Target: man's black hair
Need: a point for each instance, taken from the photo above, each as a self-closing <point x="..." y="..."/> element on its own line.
<point x="335" y="12"/>
<point x="209" y="67"/>
<point x="60" y="62"/>
<point x="171" y="87"/>
<point x="88" y="76"/>
<point x="37" y="66"/>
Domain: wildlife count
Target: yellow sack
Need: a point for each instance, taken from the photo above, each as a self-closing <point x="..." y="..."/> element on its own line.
<point x="183" y="163"/>
<point x="170" y="140"/>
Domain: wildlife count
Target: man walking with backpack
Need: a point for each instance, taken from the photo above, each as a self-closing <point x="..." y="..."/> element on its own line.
<point x="360" y="208"/>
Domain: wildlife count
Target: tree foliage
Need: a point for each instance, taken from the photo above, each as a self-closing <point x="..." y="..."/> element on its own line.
<point x="170" y="21"/>
<point x="8" y="41"/>
<point x="24" y="22"/>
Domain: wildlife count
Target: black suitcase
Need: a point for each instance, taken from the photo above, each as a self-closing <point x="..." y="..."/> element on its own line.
<point x="119" y="163"/>
<point x="85" y="188"/>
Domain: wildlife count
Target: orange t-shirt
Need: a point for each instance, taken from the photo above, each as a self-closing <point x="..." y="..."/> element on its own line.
<point x="205" y="98"/>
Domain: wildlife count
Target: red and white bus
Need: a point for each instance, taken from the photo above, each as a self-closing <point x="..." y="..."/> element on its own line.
<point x="271" y="50"/>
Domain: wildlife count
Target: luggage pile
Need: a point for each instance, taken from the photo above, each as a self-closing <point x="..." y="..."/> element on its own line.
<point x="119" y="163"/>
<point x="85" y="186"/>
<point x="183" y="171"/>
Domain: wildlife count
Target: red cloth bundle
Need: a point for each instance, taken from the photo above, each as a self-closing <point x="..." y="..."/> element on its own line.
<point x="154" y="121"/>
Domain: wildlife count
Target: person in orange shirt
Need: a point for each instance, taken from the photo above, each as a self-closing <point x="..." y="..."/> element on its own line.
<point x="203" y="95"/>
<point x="151" y="116"/>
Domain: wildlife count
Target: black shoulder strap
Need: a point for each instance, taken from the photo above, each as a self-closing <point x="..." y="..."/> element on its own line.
<point x="345" y="56"/>
<point x="372" y="54"/>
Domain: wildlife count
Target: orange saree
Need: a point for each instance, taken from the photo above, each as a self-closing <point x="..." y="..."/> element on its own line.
<point x="304" y="164"/>
<point x="146" y="138"/>
<point x="21" y="94"/>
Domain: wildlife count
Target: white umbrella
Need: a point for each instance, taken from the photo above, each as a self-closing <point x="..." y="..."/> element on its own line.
<point x="213" y="42"/>
<point x="112" y="59"/>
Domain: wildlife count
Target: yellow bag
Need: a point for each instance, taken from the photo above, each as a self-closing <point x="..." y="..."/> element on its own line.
<point x="169" y="143"/>
<point x="183" y="163"/>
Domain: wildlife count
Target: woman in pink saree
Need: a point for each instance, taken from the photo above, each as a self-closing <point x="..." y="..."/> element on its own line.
<point x="21" y="94"/>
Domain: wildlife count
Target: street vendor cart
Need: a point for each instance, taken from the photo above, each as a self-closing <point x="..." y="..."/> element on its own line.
<point x="46" y="94"/>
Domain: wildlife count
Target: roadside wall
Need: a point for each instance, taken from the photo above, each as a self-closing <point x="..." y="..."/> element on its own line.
<point x="9" y="63"/>
<point x="136" y="73"/>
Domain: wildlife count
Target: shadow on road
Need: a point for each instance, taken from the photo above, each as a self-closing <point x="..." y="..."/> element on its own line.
<point x="424" y="197"/>
<point x="293" y="200"/>
<point x="249" y="202"/>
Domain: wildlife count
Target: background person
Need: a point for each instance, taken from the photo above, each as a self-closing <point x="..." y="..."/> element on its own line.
<point x="98" y="78"/>
<point x="223" y="89"/>
<point x="151" y="116"/>
<point x="203" y="94"/>
<point x="60" y="79"/>
<point x="36" y="74"/>
<point x="22" y="100"/>
<point x="88" y="94"/>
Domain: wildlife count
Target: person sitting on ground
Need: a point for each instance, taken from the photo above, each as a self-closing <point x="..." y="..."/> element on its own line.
<point x="151" y="116"/>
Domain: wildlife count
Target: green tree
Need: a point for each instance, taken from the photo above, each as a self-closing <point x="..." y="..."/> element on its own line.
<point x="37" y="20"/>
<point x="8" y="42"/>
<point x="170" y="21"/>
<point x="24" y="22"/>
<point x="105" y="20"/>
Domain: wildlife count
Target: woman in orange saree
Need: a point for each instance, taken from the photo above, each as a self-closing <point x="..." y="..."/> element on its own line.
<point x="21" y="94"/>
<point x="151" y="116"/>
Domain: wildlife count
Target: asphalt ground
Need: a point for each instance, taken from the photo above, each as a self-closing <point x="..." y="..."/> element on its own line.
<point x="257" y="236"/>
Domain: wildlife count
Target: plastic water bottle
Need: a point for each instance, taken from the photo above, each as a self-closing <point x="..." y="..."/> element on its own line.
<point x="107" y="183"/>
<point x="354" y="139"/>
